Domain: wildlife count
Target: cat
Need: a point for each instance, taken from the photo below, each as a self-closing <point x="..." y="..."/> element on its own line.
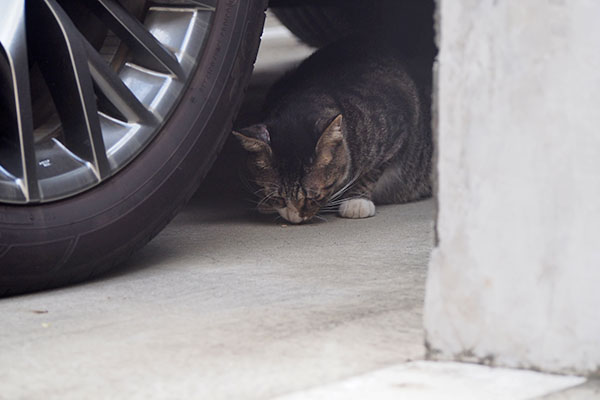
<point x="346" y="129"/>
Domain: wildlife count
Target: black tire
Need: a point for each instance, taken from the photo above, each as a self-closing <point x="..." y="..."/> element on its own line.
<point x="317" y="25"/>
<point x="407" y="23"/>
<point x="66" y="241"/>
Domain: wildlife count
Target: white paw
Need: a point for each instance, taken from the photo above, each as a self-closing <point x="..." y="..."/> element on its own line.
<point x="357" y="208"/>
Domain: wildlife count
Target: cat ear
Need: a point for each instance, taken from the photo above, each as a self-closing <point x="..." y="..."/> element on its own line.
<point x="331" y="143"/>
<point x="254" y="138"/>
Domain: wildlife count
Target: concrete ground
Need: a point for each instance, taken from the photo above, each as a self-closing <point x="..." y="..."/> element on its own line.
<point x="225" y="303"/>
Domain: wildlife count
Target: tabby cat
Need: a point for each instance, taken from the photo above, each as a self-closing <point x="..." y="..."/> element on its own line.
<point x="347" y="128"/>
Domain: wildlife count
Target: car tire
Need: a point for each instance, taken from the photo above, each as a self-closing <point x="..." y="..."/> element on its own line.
<point x="318" y="25"/>
<point x="408" y="24"/>
<point x="69" y="240"/>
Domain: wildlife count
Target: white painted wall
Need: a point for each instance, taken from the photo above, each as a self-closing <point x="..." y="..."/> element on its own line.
<point x="515" y="278"/>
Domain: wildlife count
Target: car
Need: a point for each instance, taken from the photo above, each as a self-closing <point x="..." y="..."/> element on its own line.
<point x="112" y="113"/>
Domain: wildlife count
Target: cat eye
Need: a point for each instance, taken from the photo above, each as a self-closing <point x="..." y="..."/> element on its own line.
<point x="318" y="198"/>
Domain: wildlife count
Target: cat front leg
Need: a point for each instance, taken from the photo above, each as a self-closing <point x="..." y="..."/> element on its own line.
<point x="357" y="208"/>
<point x="358" y="203"/>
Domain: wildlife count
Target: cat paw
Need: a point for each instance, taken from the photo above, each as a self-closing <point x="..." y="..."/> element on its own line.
<point x="357" y="208"/>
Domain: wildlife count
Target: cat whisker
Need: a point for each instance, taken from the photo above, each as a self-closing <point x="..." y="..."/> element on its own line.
<point x="253" y="201"/>
<point x="269" y="212"/>
<point x="344" y="188"/>
<point x="269" y="195"/>
<point x="270" y="184"/>
<point x="256" y="192"/>
<point x="261" y="202"/>
<point x="266" y="198"/>
<point x="328" y="211"/>
<point x="264" y="190"/>
<point x="329" y="205"/>
<point x="317" y="216"/>
<point x="340" y="201"/>
<point x="248" y="184"/>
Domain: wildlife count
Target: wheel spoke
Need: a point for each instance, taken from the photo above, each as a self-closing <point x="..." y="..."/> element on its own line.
<point x="147" y="51"/>
<point x="62" y="56"/>
<point x="115" y="91"/>
<point x="199" y="4"/>
<point x="17" y="154"/>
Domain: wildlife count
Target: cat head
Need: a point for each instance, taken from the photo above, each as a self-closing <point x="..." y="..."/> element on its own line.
<point x="296" y="183"/>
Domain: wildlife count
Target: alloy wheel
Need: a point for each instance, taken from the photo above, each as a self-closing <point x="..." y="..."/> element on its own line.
<point x="85" y="85"/>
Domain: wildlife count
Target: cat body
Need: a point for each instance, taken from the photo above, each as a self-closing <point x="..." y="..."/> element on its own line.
<point x="346" y="128"/>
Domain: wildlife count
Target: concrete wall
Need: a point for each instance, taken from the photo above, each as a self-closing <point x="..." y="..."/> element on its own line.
<point x="515" y="277"/>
